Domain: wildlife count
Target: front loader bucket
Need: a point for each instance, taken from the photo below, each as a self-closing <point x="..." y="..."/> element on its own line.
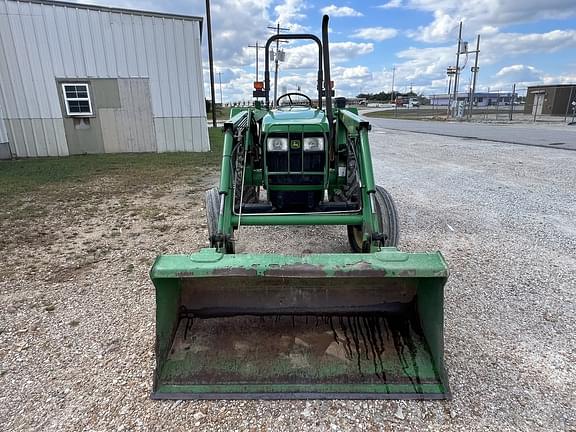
<point x="264" y="326"/>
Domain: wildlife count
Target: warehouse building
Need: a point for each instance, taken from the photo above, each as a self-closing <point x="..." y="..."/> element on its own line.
<point x="550" y="99"/>
<point x="78" y="79"/>
<point x="481" y="99"/>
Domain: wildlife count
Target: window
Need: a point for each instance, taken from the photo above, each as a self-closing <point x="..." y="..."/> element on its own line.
<point x="77" y="99"/>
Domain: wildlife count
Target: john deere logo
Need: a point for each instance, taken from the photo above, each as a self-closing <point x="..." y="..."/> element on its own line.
<point x="295" y="144"/>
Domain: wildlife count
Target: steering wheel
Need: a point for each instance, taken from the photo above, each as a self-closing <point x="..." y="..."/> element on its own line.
<point x="291" y="103"/>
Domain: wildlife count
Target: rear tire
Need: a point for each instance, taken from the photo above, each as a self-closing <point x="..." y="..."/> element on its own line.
<point x="386" y="211"/>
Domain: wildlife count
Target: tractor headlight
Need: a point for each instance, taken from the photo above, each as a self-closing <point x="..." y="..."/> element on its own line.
<point x="313" y="144"/>
<point x="277" y="144"/>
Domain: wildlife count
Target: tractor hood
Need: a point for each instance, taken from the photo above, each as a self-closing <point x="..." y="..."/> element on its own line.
<point x="307" y="117"/>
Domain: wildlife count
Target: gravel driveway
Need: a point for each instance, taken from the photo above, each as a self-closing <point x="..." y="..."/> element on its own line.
<point x="77" y="308"/>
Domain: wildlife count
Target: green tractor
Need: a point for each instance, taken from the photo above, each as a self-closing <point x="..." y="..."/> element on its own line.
<point x="366" y="324"/>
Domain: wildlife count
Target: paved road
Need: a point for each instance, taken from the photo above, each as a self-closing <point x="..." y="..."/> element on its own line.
<point x="561" y="137"/>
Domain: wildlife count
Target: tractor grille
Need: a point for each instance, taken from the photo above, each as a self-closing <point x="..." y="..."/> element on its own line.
<point x="290" y="166"/>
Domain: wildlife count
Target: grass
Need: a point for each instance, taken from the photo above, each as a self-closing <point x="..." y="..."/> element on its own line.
<point x="412" y="114"/>
<point x="222" y="113"/>
<point x="27" y="175"/>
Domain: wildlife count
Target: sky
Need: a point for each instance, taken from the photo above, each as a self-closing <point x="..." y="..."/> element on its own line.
<point x="526" y="42"/>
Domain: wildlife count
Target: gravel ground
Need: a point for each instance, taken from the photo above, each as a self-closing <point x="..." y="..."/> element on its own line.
<point x="77" y="308"/>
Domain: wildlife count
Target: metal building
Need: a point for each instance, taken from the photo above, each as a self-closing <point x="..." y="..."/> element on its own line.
<point x="78" y="79"/>
<point x="550" y="99"/>
<point x="481" y="99"/>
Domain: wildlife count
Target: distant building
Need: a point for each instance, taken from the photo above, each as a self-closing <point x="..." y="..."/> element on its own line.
<point x="78" y="79"/>
<point x="550" y="99"/>
<point x="480" y="99"/>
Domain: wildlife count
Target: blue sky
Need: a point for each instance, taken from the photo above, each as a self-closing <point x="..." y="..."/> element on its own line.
<point x="524" y="42"/>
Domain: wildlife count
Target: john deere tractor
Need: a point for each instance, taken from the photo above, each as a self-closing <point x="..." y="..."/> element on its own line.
<point x="365" y="324"/>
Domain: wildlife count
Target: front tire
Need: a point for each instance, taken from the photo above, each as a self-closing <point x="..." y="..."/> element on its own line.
<point x="212" y="200"/>
<point x="212" y="213"/>
<point x="386" y="211"/>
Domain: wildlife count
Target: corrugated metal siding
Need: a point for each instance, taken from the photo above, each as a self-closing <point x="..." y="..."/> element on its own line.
<point x="36" y="137"/>
<point x="42" y="42"/>
<point x="3" y="131"/>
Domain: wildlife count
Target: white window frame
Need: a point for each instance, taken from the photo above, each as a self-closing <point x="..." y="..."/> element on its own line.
<point x="67" y="99"/>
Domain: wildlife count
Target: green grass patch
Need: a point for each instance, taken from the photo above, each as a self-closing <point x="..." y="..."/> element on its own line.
<point x="412" y="114"/>
<point x="222" y="113"/>
<point x="26" y="175"/>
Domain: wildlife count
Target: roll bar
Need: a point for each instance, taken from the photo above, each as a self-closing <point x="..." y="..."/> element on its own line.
<point x="267" y="62"/>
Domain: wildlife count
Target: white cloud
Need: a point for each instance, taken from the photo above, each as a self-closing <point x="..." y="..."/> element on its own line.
<point x="348" y="81"/>
<point x="507" y="70"/>
<point x="375" y="33"/>
<point x="306" y="56"/>
<point x="479" y="14"/>
<point x="340" y="11"/>
<point x="289" y="12"/>
<point x="520" y="73"/>
<point x="443" y="26"/>
<point x="424" y="63"/>
<point x="526" y="75"/>
<point x="391" y="4"/>
<point x="428" y="65"/>
<point x="500" y="47"/>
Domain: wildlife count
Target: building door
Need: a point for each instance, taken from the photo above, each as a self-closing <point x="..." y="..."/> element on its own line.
<point x="538" y="104"/>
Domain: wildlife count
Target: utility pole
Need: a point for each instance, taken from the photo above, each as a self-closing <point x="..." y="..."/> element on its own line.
<point x="211" y="61"/>
<point x="277" y="28"/>
<point x="450" y="71"/>
<point x="474" y="76"/>
<point x="457" y="65"/>
<point x="220" y="81"/>
<point x="258" y="47"/>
